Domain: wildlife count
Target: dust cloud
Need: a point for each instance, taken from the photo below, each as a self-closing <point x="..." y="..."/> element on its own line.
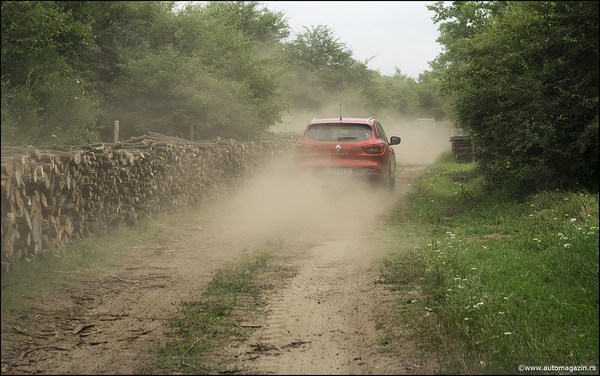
<point x="282" y="203"/>
<point x="421" y="144"/>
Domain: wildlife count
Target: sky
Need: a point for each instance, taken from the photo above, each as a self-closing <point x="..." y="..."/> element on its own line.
<point x="392" y="34"/>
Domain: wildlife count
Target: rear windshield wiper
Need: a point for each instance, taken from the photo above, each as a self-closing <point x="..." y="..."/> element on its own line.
<point x="346" y="138"/>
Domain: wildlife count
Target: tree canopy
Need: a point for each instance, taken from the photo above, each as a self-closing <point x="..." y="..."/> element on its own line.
<point x="223" y="68"/>
<point x="522" y="79"/>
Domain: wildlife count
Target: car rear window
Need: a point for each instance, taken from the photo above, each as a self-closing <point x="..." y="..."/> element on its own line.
<point x="339" y="132"/>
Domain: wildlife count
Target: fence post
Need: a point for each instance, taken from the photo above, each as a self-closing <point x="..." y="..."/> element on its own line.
<point x="116" y="135"/>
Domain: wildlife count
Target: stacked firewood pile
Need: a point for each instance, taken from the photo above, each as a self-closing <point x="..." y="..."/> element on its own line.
<point x="54" y="195"/>
<point x="462" y="148"/>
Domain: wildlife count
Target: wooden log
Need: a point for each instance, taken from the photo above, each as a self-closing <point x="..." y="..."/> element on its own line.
<point x="66" y="224"/>
<point x="9" y="236"/>
<point x="36" y="228"/>
<point x="8" y="167"/>
<point x="18" y="175"/>
<point x="18" y="202"/>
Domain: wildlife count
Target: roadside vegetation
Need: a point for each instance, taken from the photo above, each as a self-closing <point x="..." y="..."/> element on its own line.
<point x="521" y="79"/>
<point x="504" y="282"/>
<point x="234" y="295"/>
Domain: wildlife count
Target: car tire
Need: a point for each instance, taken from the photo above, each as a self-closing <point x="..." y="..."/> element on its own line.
<point x="392" y="183"/>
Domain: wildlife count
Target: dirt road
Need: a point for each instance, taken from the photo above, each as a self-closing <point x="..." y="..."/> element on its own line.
<point x="322" y="318"/>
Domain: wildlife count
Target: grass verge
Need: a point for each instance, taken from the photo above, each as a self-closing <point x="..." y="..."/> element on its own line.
<point x="205" y="323"/>
<point x="506" y="283"/>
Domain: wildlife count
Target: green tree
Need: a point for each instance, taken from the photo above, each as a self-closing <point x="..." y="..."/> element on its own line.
<point x="318" y="50"/>
<point x="119" y="27"/>
<point x="210" y="81"/>
<point x="122" y="30"/>
<point x="431" y="102"/>
<point x="459" y="21"/>
<point x="256" y="22"/>
<point x="525" y="86"/>
<point x="397" y="93"/>
<point x="322" y="71"/>
<point x="46" y="97"/>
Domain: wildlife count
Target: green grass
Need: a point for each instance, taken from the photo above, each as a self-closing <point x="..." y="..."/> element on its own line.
<point x="204" y="323"/>
<point x="509" y="282"/>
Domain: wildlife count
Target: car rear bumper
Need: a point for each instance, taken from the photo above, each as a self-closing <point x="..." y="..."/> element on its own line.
<point x="370" y="170"/>
<point x="357" y="174"/>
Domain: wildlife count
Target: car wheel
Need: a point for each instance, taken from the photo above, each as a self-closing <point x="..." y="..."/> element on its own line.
<point x="392" y="181"/>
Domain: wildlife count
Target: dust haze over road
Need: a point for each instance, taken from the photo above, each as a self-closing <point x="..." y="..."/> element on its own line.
<point x="321" y="318"/>
<point x="282" y="203"/>
<point x="278" y="201"/>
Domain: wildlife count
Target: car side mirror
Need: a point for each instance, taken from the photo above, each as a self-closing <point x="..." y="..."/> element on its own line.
<point x="394" y="140"/>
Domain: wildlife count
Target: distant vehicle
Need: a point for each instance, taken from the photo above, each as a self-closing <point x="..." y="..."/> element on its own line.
<point x="355" y="147"/>
<point x="425" y="121"/>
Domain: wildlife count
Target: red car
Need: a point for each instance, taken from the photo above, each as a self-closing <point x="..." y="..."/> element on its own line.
<point x="348" y="147"/>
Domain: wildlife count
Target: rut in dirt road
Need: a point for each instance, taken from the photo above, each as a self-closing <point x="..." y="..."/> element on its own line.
<point x="324" y="319"/>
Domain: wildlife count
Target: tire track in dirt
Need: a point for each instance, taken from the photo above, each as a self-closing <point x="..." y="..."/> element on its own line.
<point x="109" y="322"/>
<point x="323" y="320"/>
<point x="322" y="323"/>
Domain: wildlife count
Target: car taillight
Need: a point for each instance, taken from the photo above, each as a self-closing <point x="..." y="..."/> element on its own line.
<point x="374" y="149"/>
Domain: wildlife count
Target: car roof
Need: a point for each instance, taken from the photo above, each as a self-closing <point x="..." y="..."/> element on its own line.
<point x="343" y="120"/>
